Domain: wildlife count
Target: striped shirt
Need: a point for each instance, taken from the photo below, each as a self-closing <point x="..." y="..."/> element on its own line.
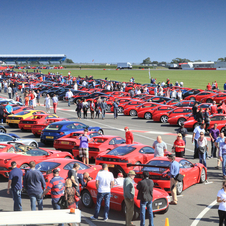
<point x="57" y="187"/>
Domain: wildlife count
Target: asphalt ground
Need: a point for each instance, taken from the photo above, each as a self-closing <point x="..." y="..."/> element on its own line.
<point x="197" y="204"/>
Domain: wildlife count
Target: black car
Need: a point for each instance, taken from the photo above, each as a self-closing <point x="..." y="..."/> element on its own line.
<point x="90" y="96"/>
<point x="190" y="92"/>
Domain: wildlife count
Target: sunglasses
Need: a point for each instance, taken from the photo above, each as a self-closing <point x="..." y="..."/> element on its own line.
<point x="201" y="134"/>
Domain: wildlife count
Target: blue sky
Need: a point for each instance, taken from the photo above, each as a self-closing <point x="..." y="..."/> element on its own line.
<point x="115" y="31"/>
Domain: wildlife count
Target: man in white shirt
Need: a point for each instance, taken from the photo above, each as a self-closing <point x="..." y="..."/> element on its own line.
<point x="195" y="137"/>
<point x="104" y="183"/>
<point x="75" y="86"/>
<point x="119" y="181"/>
<point x="69" y="95"/>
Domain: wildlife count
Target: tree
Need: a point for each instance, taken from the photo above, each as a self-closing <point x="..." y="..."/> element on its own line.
<point x="222" y="59"/>
<point x="155" y="62"/>
<point x="69" y="61"/>
<point x="147" y="61"/>
<point x="197" y="61"/>
<point x="179" y="60"/>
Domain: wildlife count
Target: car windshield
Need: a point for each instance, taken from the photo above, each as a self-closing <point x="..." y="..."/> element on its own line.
<point x="121" y="150"/>
<point x="54" y="127"/>
<point x="22" y="113"/>
<point x="156" y="166"/>
<point x="99" y="140"/>
<point x="45" y="166"/>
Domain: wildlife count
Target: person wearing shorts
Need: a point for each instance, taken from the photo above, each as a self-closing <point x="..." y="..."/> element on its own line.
<point x="84" y="147"/>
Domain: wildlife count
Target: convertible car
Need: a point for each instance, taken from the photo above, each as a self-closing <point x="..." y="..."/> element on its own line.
<point x="160" y="202"/>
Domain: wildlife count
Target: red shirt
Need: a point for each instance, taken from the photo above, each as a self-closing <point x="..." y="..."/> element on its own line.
<point x="209" y="87"/>
<point x="213" y="109"/>
<point x="129" y="137"/>
<point x="179" y="143"/>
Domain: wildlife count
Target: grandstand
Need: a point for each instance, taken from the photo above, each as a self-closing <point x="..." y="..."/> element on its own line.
<point x="33" y="59"/>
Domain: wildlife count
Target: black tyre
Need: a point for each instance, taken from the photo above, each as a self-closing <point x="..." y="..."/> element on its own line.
<point x="209" y="101"/>
<point x="180" y="120"/>
<point x="164" y="119"/>
<point x="86" y="198"/>
<point x="2" y="130"/>
<point x="100" y="131"/>
<point x="192" y="98"/>
<point x="44" y="94"/>
<point x="133" y="113"/>
<point x="179" y="187"/>
<point x="148" y="115"/>
<point x="25" y="165"/>
<point x="34" y="145"/>
<point x="203" y="176"/>
<point x="67" y="157"/>
<point x="120" y="110"/>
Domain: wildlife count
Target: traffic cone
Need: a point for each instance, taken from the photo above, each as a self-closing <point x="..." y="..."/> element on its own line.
<point x="167" y="222"/>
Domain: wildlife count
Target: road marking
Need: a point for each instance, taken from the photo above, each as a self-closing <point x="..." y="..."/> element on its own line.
<point x="87" y="220"/>
<point x="199" y="217"/>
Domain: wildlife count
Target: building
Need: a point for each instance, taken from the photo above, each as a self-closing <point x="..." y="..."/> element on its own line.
<point x="33" y="58"/>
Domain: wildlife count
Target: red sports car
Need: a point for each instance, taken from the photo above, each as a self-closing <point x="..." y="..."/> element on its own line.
<point x="217" y="97"/>
<point x="161" y="113"/>
<point x="131" y="102"/>
<point x="27" y="124"/>
<point x="101" y="144"/>
<point x="198" y="97"/>
<point x="22" y="156"/>
<point x="159" y="167"/>
<point x="67" y="142"/>
<point x="216" y="118"/>
<point x="131" y="109"/>
<point x="118" y="158"/>
<point x="37" y="129"/>
<point x="178" y="119"/>
<point x="64" y="164"/>
<point x="160" y="202"/>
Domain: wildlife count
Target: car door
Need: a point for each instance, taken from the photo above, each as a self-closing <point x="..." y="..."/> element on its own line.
<point x="147" y="154"/>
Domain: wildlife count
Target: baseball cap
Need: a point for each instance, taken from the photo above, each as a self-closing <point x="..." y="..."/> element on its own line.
<point x="56" y="170"/>
<point x="131" y="172"/>
<point x="120" y="175"/>
<point x="126" y="128"/>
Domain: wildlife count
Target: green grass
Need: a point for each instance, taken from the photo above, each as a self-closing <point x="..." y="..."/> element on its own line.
<point x="193" y="79"/>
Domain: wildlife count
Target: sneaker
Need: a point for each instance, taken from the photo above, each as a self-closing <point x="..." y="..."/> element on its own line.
<point x="217" y="167"/>
<point x="106" y="219"/>
<point x="93" y="218"/>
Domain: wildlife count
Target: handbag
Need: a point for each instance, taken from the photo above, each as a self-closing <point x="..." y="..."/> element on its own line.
<point x="179" y="177"/>
<point x="63" y="203"/>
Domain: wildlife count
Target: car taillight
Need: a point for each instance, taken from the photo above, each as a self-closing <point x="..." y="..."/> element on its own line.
<point x="61" y="133"/>
<point x="20" y="118"/>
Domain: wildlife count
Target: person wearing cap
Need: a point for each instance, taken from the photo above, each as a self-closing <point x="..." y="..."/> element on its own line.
<point x="119" y="180"/>
<point x="179" y="146"/>
<point x="195" y="137"/>
<point x="129" y="192"/>
<point x="145" y="195"/>
<point x="15" y="182"/>
<point x="174" y="170"/>
<point x="160" y="147"/>
<point x="104" y="184"/>
<point x="57" y="186"/>
<point x="129" y="136"/>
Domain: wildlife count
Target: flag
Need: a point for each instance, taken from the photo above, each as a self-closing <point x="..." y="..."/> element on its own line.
<point x="93" y="60"/>
<point x="149" y="73"/>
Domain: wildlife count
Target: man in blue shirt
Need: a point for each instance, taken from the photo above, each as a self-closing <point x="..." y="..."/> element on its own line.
<point x="9" y="109"/>
<point x="15" y="182"/>
<point x="174" y="170"/>
<point x="34" y="183"/>
<point x="222" y="154"/>
<point x="218" y="143"/>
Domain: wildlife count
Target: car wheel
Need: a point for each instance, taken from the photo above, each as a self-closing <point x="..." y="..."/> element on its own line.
<point x="100" y="131"/>
<point x="86" y="198"/>
<point x="120" y="110"/>
<point x="44" y="94"/>
<point x="192" y="98"/>
<point x="180" y="121"/>
<point x="22" y="129"/>
<point x="67" y="157"/>
<point x="2" y="130"/>
<point x="148" y="115"/>
<point x="136" y="211"/>
<point x="34" y="145"/>
<point x="24" y="166"/>
<point x="138" y="163"/>
<point x="203" y="176"/>
<point x="133" y="112"/>
<point x="195" y="125"/>
<point x="164" y="119"/>
<point x="209" y="101"/>
<point x="179" y="187"/>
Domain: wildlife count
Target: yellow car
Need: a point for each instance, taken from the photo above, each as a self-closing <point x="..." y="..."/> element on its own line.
<point x="14" y="119"/>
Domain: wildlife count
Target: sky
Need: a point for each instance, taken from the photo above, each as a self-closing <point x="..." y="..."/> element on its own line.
<point x="111" y="31"/>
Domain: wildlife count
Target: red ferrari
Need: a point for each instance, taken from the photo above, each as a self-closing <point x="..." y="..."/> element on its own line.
<point x="218" y="98"/>
<point x="161" y="113"/>
<point x="23" y="156"/>
<point x="158" y="169"/>
<point x="198" y="97"/>
<point x="64" y="164"/>
<point x="178" y="119"/>
<point x="160" y="202"/>
<point x="68" y="142"/>
<point x="118" y="158"/>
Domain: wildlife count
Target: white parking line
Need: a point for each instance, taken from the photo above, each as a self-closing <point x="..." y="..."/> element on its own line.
<point x="200" y="216"/>
<point x="87" y="220"/>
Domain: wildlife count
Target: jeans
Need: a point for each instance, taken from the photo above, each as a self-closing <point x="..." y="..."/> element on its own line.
<point x="79" y="114"/>
<point x="103" y="113"/>
<point x="69" y="102"/>
<point x="223" y="164"/>
<point x="5" y="89"/>
<point x="202" y="158"/>
<point x="213" y="149"/>
<point x="17" y="200"/>
<point x="33" y="199"/>
<point x="143" y="211"/>
<point x="115" y="112"/>
<point x="9" y="95"/>
<point x="56" y="207"/>
<point x="100" y="197"/>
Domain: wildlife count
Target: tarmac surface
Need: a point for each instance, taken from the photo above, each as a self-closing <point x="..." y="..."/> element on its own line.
<point x="197" y="204"/>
